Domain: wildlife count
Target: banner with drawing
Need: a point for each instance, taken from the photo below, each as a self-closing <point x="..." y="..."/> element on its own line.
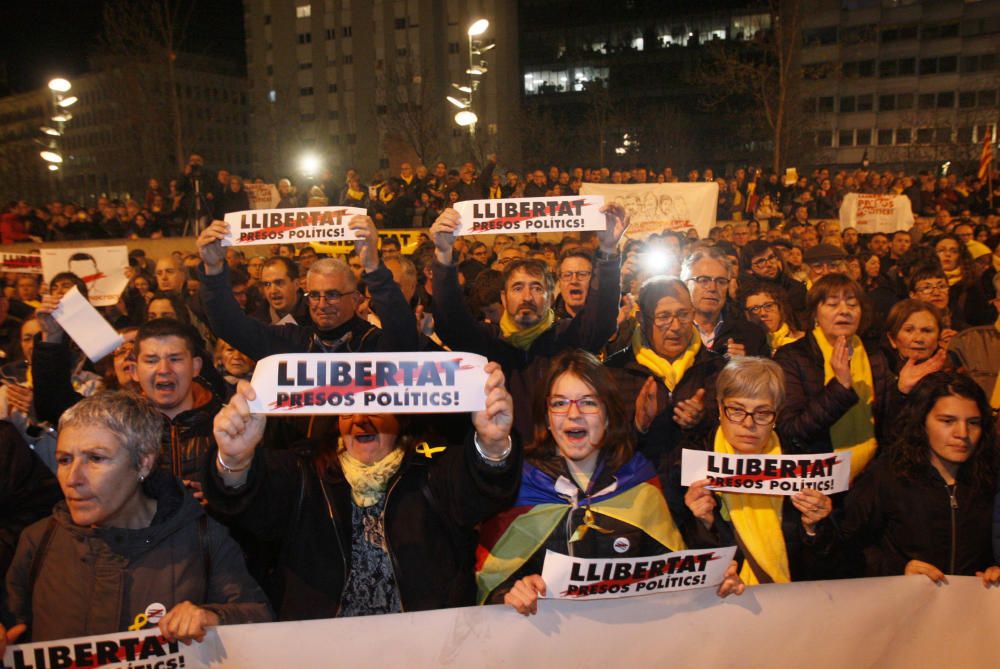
<point x="657" y="207"/>
<point x="102" y="268"/>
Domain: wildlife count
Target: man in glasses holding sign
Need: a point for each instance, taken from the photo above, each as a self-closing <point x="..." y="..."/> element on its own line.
<point x="331" y="295"/>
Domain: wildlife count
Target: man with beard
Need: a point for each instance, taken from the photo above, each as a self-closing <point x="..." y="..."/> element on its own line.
<point x="529" y="334"/>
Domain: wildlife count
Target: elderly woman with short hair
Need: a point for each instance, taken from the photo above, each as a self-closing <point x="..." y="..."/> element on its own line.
<point x="129" y="548"/>
<point x="771" y="531"/>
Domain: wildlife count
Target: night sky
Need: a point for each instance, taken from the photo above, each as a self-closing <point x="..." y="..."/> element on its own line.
<point x="42" y="38"/>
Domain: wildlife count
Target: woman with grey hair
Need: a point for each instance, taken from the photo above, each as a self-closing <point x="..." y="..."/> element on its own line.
<point x="129" y="547"/>
<point x="771" y="532"/>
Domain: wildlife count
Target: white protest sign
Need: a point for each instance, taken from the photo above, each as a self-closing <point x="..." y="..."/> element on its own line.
<point x="338" y="383"/>
<point x="123" y="650"/>
<point x="876" y="213"/>
<point x="582" y="578"/>
<point x="22" y="263"/>
<point x="530" y="214"/>
<point x="767" y="474"/>
<point x="290" y="226"/>
<point x="655" y="208"/>
<point x="81" y="321"/>
<point x="262" y="196"/>
<point x="102" y="268"/>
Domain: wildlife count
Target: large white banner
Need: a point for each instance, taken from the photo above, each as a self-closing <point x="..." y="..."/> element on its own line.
<point x="658" y="207"/>
<point x="903" y="622"/>
<point x="338" y="383"/>
<point x="262" y="196"/>
<point x="102" y="268"/>
<point x="530" y="214"/>
<point x="876" y="213"/>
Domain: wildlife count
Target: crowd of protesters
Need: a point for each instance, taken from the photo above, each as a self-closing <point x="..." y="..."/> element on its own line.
<point x="778" y="333"/>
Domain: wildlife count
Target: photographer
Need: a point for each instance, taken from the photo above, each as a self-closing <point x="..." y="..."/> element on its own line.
<point x="196" y="195"/>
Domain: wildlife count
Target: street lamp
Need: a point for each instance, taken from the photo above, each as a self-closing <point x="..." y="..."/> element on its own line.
<point x="466" y="118"/>
<point x="461" y="104"/>
<point x="478" y="27"/>
<point x="50" y="156"/>
<point x="474" y="72"/>
<point x="59" y="85"/>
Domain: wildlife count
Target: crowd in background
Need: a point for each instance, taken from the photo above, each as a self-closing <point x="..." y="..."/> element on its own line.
<point x="780" y="332"/>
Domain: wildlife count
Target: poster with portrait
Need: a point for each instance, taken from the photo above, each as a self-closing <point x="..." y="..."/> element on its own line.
<point x="658" y="207"/>
<point x="102" y="268"/>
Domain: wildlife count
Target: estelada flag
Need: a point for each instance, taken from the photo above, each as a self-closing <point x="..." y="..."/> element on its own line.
<point x="986" y="157"/>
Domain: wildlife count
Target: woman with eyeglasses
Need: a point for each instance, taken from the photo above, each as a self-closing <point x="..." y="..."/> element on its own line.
<point x="768" y="305"/>
<point x="966" y="298"/>
<point x="839" y="390"/>
<point x="585" y="491"/>
<point x="926" y="506"/>
<point x="770" y="531"/>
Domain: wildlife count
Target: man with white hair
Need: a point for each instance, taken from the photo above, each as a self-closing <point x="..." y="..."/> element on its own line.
<point x="331" y="295"/>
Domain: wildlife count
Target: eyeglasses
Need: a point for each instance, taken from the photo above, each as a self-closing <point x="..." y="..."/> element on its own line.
<point x="582" y="275"/>
<point x="585" y="405"/>
<point x="766" y="260"/>
<point x="665" y="318"/>
<point x="720" y="282"/>
<point x="824" y="265"/>
<point x="760" y="308"/>
<point x="760" y="417"/>
<point x="933" y="288"/>
<point x="328" y="295"/>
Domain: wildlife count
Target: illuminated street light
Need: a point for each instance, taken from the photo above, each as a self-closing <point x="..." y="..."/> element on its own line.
<point x="476" y="71"/>
<point x="51" y="157"/>
<point x="50" y="131"/>
<point x="478" y="27"/>
<point x="309" y="163"/>
<point x="461" y="104"/>
<point x="60" y="85"/>
<point x="62" y="117"/>
<point x="66" y="102"/>
<point x="466" y="118"/>
<point x="53" y="168"/>
<point x="464" y="89"/>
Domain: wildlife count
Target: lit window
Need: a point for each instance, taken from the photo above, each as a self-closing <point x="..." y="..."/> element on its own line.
<point x="303" y="11"/>
<point x="272" y="96"/>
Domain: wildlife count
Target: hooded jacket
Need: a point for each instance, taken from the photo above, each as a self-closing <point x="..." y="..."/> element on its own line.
<point x="187" y="437"/>
<point x="99" y="580"/>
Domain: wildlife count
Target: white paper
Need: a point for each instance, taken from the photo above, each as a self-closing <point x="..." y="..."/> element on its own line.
<point x="86" y="326"/>
<point x="290" y="226"/>
<point x="768" y="474"/>
<point x="558" y="213"/>
<point x="581" y="578"/>
<point x="304" y="384"/>
<point x="102" y="268"/>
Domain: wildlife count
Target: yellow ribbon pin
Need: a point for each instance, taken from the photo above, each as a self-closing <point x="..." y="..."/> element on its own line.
<point x="427" y="450"/>
<point x="139" y="622"/>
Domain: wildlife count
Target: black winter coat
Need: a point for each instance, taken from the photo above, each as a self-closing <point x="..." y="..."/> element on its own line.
<point x="813" y="406"/>
<point x="431" y="508"/>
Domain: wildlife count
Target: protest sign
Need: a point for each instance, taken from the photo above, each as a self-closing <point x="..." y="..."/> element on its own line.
<point x="337" y="383"/>
<point x="262" y="196"/>
<point x="767" y="474"/>
<point x="582" y="578"/>
<point x="409" y="239"/>
<point x="524" y="215"/>
<point x="876" y="213"/>
<point x="891" y="623"/>
<point x="290" y="226"/>
<point x="125" y="650"/>
<point x="102" y="268"/>
<point x="21" y="263"/>
<point x="657" y="207"/>
<point x="81" y="321"/>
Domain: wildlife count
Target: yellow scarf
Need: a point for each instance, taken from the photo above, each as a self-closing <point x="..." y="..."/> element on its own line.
<point x="954" y="275"/>
<point x="995" y="399"/>
<point x="757" y="519"/>
<point x="780" y="337"/>
<point x="523" y="338"/>
<point x="355" y="194"/>
<point x="368" y="482"/>
<point x="855" y="430"/>
<point x="670" y="373"/>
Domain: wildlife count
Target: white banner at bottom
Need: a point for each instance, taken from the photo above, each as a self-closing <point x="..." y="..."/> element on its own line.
<point x="902" y="621"/>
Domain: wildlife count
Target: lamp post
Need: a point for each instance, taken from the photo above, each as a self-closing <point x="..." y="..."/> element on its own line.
<point x="51" y="152"/>
<point x="466" y="117"/>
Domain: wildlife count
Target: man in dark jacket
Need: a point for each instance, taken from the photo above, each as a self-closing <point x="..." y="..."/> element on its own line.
<point x="479" y="188"/>
<point x="332" y="294"/>
<point x="707" y="273"/>
<point x="529" y="335"/>
<point x="420" y="505"/>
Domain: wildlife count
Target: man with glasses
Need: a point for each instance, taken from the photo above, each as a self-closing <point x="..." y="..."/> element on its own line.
<point x="707" y="273"/>
<point x="574" y="272"/>
<point x="762" y="264"/>
<point x="821" y="260"/>
<point x="331" y="297"/>
<point x="928" y="283"/>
